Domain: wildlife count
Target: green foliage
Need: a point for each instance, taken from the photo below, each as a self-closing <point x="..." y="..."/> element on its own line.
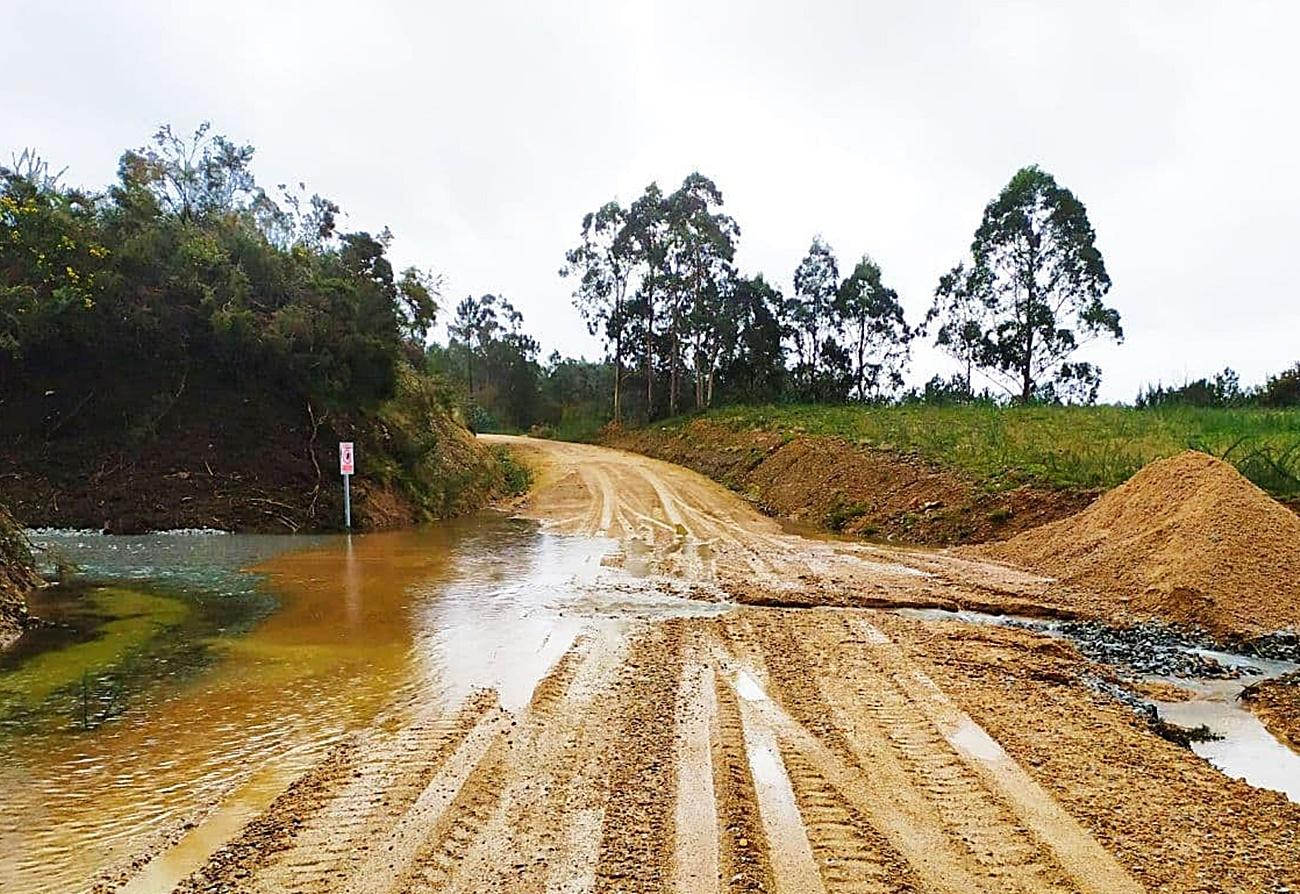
<point x="1065" y="446"/>
<point x="188" y="262"/>
<point x="518" y="477"/>
<point x="1032" y="295"/>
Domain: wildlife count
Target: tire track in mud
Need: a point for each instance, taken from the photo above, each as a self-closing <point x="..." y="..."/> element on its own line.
<point x="636" y="843"/>
<point x="878" y="719"/>
<point x="697" y="859"/>
<point x="308" y="837"/>
<point x="743" y="855"/>
<point x="1073" y="847"/>
<point x="544" y="831"/>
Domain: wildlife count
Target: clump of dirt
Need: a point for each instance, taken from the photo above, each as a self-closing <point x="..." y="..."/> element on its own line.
<point x="831" y="484"/>
<point x="1276" y="702"/>
<point x="1187" y="539"/>
<point x="17" y="576"/>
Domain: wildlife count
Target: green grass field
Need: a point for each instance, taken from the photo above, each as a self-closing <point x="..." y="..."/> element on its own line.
<point x="1091" y="447"/>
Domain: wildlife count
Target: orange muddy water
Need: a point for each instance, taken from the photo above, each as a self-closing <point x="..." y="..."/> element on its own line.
<point x="367" y="630"/>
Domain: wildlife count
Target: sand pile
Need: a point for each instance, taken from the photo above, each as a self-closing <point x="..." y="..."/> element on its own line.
<point x="1187" y="539"/>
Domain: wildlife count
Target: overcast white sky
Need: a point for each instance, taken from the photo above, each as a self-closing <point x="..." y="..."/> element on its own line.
<point x="480" y="132"/>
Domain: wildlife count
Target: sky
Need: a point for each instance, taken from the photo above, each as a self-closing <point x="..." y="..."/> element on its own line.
<point x="481" y="132"/>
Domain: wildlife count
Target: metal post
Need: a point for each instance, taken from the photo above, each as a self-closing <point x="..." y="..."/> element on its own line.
<point x="347" y="502"/>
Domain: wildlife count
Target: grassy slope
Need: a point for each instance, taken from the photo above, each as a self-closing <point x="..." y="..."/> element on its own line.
<point x="1071" y="447"/>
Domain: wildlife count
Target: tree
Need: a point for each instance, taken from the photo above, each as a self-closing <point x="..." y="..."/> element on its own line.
<point x="604" y="261"/>
<point x="962" y="316"/>
<point x="1042" y="280"/>
<point x="812" y="314"/>
<point x="196" y="176"/>
<point x="646" y="235"/>
<point x="752" y="365"/>
<point x="880" y="335"/>
<point x="702" y="243"/>
<point x="474" y="325"/>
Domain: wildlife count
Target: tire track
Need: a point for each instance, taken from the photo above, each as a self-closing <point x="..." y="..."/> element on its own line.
<point x="636" y="839"/>
<point x="743" y="847"/>
<point x="852" y="856"/>
<point x="1088" y="862"/>
<point x="436" y="810"/>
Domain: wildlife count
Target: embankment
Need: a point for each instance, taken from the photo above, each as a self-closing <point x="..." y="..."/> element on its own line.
<point x="17" y="576"/>
<point x="219" y="457"/>
<point x="831" y="484"/>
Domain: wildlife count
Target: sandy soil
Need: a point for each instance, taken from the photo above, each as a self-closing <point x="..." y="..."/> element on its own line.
<point x="1277" y="703"/>
<point x="831" y="484"/>
<point x="1187" y="540"/>
<point x="768" y="748"/>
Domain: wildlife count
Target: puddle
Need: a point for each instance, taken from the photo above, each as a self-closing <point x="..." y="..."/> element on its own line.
<point x="1247" y="751"/>
<point x="1244" y="749"/>
<point x="269" y="669"/>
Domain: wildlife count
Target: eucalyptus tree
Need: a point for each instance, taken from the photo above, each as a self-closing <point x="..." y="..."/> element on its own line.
<point x="701" y="246"/>
<point x="813" y="315"/>
<point x="1042" y="279"/>
<point x="879" y="335"/>
<point x="604" y="262"/>
<point x="646" y="233"/>
<point x="752" y="364"/>
<point x="962" y="319"/>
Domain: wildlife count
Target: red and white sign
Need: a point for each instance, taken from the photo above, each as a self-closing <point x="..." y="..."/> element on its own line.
<point x="347" y="459"/>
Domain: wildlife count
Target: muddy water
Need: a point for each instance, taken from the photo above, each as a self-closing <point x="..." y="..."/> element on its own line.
<point x="327" y="636"/>
<point x="1242" y="747"/>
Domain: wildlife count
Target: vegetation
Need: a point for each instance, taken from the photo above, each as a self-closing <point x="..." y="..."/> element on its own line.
<point x="1088" y="447"/>
<point x="684" y="329"/>
<point x="1031" y="295"/>
<point x="186" y="284"/>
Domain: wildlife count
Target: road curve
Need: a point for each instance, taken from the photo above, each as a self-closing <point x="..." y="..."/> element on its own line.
<point x="752" y="749"/>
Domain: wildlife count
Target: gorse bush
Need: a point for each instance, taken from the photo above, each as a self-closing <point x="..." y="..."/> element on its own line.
<point x="186" y="267"/>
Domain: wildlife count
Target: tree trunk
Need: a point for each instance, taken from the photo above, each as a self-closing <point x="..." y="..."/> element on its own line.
<point x="650" y="356"/>
<point x="862" y="356"/>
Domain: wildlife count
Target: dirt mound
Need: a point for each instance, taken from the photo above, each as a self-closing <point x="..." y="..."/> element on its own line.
<point x="831" y="484"/>
<point x="1187" y="539"/>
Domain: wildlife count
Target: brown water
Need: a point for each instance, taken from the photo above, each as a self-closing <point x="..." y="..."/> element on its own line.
<point x="366" y="629"/>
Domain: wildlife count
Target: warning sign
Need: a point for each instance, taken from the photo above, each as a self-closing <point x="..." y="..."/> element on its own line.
<point x="347" y="460"/>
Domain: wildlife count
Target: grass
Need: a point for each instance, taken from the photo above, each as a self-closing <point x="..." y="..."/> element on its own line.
<point x="1079" y="447"/>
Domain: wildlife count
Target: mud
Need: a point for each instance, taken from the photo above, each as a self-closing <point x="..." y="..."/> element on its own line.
<point x="590" y="711"/>
<point x="17" y="577"/>
<point x="830" y="484"/>
<point x="1277" y="704"/>
<point x="1187" y="540"/>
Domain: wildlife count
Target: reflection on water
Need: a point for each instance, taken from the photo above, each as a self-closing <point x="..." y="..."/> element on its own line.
<point x="364" y="625"/>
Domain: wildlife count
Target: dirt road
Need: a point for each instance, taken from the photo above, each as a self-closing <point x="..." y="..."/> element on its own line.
<point x="763" y="748"/>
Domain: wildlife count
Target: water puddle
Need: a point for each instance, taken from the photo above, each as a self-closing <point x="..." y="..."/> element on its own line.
<point x="249" y="657"/>
<point x="1241" y="747"/>
<point x="1246" y="751"/>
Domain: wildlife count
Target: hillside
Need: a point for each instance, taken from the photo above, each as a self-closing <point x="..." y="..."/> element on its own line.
<point x="246" y="462"/>
<point x="184" y="349"/>
<point x="16" y="578"/>
<point x="956" y="474"/>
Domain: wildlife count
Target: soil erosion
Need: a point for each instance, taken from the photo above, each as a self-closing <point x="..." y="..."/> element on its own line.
<point x="781" y="731"/>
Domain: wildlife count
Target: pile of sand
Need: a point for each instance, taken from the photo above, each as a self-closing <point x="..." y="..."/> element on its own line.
<point x="1187" y="539"/>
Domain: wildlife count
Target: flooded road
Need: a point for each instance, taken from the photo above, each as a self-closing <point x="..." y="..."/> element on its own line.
<point x="576" y="701"/>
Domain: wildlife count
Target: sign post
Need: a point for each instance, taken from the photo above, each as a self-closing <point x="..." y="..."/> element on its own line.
<point x="347" y="465"/>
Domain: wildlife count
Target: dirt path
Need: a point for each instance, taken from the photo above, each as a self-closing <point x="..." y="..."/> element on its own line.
<point x="766" y="748"/>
